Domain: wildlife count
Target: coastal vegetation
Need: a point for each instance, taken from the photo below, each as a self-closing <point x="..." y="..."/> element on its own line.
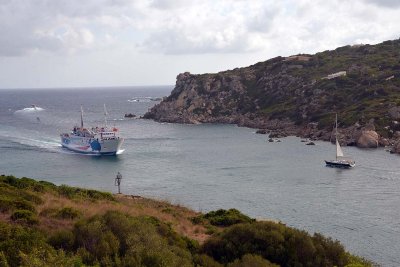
<point x="42" y="224"/>
<point x="298" y="95"/>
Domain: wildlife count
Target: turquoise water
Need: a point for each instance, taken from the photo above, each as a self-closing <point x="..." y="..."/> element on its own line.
<point x="206" y="167"/>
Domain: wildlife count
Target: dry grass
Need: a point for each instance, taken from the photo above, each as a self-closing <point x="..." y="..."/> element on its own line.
<point x="177" y="216"/>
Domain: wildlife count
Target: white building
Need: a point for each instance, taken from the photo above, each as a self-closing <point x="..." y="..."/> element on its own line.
<point x="335" y="75"/>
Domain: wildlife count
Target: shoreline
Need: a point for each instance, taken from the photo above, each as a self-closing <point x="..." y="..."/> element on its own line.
<point x="361" y="137"/>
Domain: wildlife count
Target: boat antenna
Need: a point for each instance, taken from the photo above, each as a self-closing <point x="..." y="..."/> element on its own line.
<point x="105" y="116"/>
<point x="81" y="117"/>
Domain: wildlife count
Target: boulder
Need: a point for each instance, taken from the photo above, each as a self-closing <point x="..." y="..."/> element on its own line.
<point x="277" y="134"/>
<point x="261" y="131"/>
<point x="129" y="115"/>
<point x="368" y="139"/>
<point x="396" y="148"/>
<point x="384" y="142"/>
<point x="396" y="135"/>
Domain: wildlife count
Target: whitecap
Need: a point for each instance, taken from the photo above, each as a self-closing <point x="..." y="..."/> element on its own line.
<point x="30" y="109"/>
<point x="119" y="152"/>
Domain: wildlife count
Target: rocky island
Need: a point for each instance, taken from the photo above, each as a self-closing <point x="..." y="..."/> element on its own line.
<point x="299" y="95"/>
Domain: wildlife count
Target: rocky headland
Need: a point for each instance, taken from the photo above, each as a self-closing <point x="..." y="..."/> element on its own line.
<point x="299" y="95"/>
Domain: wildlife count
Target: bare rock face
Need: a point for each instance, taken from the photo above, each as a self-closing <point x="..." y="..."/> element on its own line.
<point x="368" y="139"/>
<point x="394" y="113"/>
<point x="396" y="147"/>
<point x="384" y="142"/>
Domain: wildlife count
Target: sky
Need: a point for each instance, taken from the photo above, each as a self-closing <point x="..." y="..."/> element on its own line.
<point x="89" y="43"/>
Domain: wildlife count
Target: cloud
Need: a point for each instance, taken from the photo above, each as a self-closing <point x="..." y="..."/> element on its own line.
<point x="53" y="26"/>
<point x="193" y="27"/>
<point x="170" y="4"/>
<point x="222" y="27"/>
<point x="385" y="3"/>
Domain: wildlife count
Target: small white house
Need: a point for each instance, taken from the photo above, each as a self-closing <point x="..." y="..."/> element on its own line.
<point x="335" y="75"/>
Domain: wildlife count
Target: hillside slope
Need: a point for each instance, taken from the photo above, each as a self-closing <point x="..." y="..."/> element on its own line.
<point x="46" y="225"/>
<point x="297" y="95"/>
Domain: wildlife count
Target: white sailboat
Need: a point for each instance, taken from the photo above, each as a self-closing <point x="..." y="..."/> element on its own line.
<point x="341" y="161"/>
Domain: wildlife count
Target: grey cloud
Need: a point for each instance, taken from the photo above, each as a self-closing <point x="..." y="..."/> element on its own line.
<point x="17" y="31"/>
<point x="385" y="3"/>
<point x="169" y="4"/>
<point x="263" y="21"/>
<point x="27" y="25"/>
<point x="175" y="43"/>
<point x="225" y="34"/>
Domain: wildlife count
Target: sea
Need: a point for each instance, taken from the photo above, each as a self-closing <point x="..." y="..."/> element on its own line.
<point x="206" y="167"/>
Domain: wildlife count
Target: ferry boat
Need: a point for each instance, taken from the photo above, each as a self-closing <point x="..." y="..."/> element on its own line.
<point x="96" y="140"/>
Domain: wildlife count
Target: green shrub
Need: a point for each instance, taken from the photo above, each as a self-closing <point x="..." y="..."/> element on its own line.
<point x="23" y="183"/>
<point x="75" y="192"/>
<point x="249" y="260"/>
<point x="17" y="239"/>
<point x="229" y="217"/>
<point x="5" y="204"/>
<point x="62" y="239"/>
<point x="277" y="243"/>
<point x="197" y="219"/>
<point x="132" y="241"/>
<point x="24" y="216"/>
<point x="48" y="257"/>
<point x="68" y="213"/>
<point x="23" y="205"/>
<point x="204" y="260"/>
<point x="3" y="260"/>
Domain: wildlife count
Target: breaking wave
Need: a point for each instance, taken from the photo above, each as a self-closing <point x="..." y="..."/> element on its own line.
<point x="33" y="108"/>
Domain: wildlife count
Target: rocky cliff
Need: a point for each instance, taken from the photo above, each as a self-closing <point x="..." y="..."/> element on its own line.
<point x="299" y="95"/>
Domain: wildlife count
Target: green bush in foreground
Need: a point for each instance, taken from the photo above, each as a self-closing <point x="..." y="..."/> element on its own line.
<point x="223" y="217"/>
<point x="24" y="216"/>
<point x="277" y="243"/>
<point x="67" y="213"/>
<point x="250" y="260"/>
<point x="117" y="239"/>
<point x="129" y="241"/>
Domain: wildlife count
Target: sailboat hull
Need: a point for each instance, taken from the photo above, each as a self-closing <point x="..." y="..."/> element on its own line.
<point x="339" y="164"/>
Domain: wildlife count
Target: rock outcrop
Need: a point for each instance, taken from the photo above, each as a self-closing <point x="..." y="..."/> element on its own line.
<point x="293" y="96"/>
<point x="368" y="139"/>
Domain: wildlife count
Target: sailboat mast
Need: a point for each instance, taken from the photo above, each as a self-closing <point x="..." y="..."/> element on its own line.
<point x="81" y="117"/>
<point x="105" y="116"/>
<point x="336" y="135"/>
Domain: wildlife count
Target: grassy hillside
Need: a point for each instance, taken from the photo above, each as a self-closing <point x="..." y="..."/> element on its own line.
<point x="46" y="225"/>
<point x="370" y="88"/>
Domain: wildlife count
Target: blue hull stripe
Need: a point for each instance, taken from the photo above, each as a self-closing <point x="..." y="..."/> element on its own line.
<point x="91" y="153"/>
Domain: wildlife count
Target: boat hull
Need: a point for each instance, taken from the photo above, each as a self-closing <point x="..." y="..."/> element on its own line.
<point x="92" y="146"/>
<point x="339" y="164"/>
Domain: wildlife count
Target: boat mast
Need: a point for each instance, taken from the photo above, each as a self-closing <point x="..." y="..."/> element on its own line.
<point x="105" y="116"/>
<point x="81" y="117"/>
<point x="336" y="136"/>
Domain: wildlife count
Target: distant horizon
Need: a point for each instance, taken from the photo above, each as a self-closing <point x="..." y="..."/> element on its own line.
<point x="86" y="87"/>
